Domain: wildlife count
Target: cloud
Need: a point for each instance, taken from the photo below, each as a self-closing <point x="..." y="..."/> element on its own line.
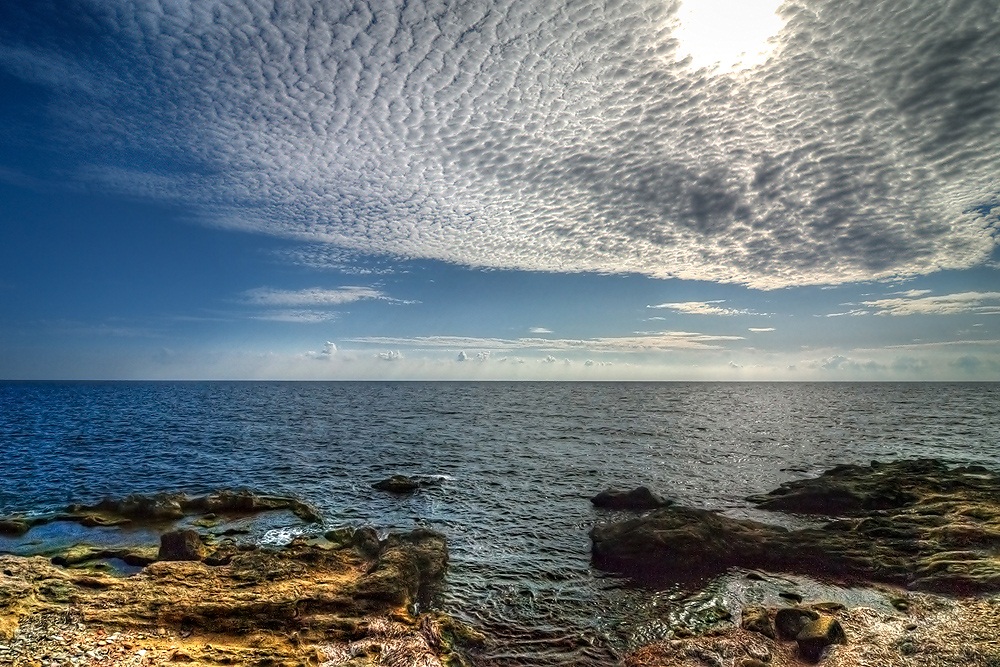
<point x="703" y="308"/>
<point x="390" y="355"/>
<point x="840" y="363"/>
<point x="535" y="136"/>
<point x="760" y="329"/>
<point x="296" y="316"/>
<point x="462" y="356"/>
<point x="641" y="342"/>
<point x="540" y="330"/>
<point x="327" y="353"/>
<point x="854" y="312"/>
<point x="313" y="296"/>
<point x="981" y="303"/>
<point x="946" y="344"/>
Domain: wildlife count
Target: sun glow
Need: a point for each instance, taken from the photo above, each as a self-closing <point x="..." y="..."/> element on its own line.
<point x="727" y="35"/>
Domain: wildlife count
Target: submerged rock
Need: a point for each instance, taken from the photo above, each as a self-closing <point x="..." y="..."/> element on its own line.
<point x="640" y="498"/>
<point x="918" y="524"/>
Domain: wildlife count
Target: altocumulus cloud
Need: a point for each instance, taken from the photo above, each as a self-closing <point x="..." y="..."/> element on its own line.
<point x="538" y="135"/>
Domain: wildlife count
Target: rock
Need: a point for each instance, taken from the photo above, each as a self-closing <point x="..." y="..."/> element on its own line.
<point x="681" y="543"/>
<point x="759" y="620"/>
<point x="789" y="595"/>
<point x="163" y="508"/>
<point x="15" y="527"/>
<point x="752" y="662"/>
<point x="364" y="539"/>
<point x="640" y="498"/>
<point x="851" y="489"/>
<point x="819" y="634"/>
<point x="397" y="484"/>
<point x="408" y="566"/>
<point x="790" y="621"/>
<point x="265" y="607"/>
<point x="918" y="524"/>
<point x="181" y="545"/>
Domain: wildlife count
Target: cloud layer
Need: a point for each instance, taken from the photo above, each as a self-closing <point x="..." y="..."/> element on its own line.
<point x="544" y="136"/>
<point x="640" y="342"/>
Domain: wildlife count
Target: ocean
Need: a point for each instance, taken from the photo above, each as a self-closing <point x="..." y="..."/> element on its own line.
<point x="517" y="464"/>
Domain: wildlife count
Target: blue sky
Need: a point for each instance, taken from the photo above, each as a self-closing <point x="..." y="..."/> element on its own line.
<point x="648" y="190"/>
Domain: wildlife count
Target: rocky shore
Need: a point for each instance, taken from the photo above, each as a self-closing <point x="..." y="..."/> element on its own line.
<point x="902" y="527"/>
<point x="346" y="598"/>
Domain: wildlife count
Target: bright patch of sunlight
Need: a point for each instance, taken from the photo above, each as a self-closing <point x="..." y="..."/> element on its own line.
<point x="727" y="35"/>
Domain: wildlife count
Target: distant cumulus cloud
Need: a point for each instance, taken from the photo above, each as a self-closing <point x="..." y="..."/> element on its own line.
<point x="540" y="330"/>
<point x="462" y="356"/>
<point x="537" y="135"/>
<point x="914" y="303"/>
<point x="391" y="355"/>
<point x="760" y="329"/>
<point x="841" y="363"/>
<point x="328" y="351"/>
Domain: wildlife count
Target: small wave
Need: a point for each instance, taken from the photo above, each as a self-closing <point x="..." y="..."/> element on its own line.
<point x="279" y="537"/>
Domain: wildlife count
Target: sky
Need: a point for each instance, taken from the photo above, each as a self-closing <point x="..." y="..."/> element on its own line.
<point x="805" y="190"/>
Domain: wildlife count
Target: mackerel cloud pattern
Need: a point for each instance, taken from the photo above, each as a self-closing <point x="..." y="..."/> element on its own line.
<point x="537" y="135"/>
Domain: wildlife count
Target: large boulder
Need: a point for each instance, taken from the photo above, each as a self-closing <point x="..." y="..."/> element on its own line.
<point x="817" y="635"/>
<point x="640" y="498"/>
<point x="790" y="621"/>
<point x="181" y="545"/>
<point x="681" y="543"/>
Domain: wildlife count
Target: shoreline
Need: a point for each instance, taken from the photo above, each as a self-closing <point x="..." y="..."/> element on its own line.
<point x="240" y="604"/>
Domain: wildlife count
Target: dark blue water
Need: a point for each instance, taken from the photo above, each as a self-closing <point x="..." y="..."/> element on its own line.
<point x="519" y="462"/>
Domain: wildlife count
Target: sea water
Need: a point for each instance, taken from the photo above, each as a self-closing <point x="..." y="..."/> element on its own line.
<point x="517" y="464"/>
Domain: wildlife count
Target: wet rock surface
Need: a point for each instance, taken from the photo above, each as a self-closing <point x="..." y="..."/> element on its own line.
<point x="640" y="498"/>
<point x="157" y="508"/>
<point x="401" y="484"/>
<point x="919" y="524"/>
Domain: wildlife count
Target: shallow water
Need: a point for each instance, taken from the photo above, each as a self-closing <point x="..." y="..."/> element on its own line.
<point x="519" y="462"/>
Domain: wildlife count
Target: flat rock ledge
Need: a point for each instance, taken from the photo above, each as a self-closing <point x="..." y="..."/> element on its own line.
<point x="160" y="508"/>
<point x="347" y="599"/>
<point x="919" y="524"/>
